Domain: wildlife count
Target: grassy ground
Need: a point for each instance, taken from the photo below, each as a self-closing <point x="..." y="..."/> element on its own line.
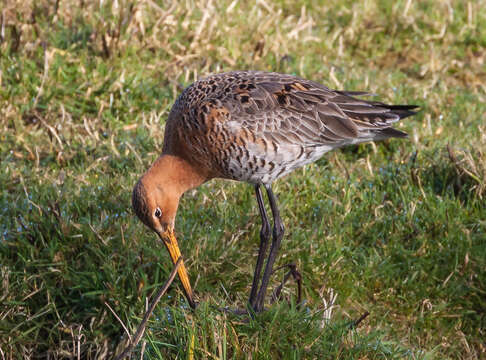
<point x="397" y="228"/>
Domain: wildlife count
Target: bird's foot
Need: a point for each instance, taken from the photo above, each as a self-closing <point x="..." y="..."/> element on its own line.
<point x="251" y="309"/>
<point x="256" y="306"/>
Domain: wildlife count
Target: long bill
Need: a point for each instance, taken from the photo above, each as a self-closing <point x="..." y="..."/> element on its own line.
<point x="170" y="242"/>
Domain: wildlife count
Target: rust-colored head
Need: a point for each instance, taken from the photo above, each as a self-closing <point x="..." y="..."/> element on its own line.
<point x="156" y="195"/>
<point x="154" y="206"/>
<point x="155" y="199"/>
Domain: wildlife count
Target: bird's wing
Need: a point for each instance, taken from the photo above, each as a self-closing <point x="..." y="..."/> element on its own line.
<point x="293" y="110"/>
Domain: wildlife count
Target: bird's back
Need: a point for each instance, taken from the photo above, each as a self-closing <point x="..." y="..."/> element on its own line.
<point x="258" y="126"/>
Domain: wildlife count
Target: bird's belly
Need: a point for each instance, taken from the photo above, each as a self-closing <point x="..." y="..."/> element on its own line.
<point x="258" y="170"/>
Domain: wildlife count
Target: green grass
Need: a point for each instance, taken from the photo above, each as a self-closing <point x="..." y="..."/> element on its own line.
<point x="397" y="228"/>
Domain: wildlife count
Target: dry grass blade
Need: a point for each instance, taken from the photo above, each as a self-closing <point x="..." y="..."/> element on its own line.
<point x="469" y="166"/>
<point x="119" y="320"/>
<point x="141" y="328"/>
<point x="329" y="305"/>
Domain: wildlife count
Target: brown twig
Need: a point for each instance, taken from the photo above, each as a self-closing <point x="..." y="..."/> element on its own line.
<point x="355" y="323"/>
<point x="297" y="277"/>
<point x="141" y="328"/>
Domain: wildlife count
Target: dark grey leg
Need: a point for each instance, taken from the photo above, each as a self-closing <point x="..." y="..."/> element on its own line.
<point x="278" y="231"/>
<point x="264" y="237"/>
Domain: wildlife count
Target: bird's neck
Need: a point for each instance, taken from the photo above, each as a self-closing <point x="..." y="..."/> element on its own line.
<point x="176" y="174"/>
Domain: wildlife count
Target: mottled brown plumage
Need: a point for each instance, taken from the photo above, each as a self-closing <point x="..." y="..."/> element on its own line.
<point x="254" y="127"/>
<point x="257" y="126"/>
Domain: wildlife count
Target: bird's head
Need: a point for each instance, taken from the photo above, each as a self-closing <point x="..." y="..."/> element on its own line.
<point x="156" y="207"/>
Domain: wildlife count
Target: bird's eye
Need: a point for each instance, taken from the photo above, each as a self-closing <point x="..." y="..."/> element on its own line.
<point x="158" y="213"/>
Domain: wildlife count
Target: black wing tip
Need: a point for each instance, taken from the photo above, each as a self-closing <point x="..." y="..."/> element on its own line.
<point x="354" y="93"/>
<point x="403" y="111"/>
<point x="401" y="107"/>
<point x="392" y="132"/>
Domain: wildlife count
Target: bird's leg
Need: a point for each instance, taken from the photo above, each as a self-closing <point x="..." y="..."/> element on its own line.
<point x="264" y="236"/>
<point x="278" y="231"/>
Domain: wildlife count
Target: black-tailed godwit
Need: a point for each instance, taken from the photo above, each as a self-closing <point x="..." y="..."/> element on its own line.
<point x="254" y="127"/>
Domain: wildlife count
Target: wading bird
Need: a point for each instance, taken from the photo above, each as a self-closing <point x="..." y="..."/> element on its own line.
<point x="254" y="127"/>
